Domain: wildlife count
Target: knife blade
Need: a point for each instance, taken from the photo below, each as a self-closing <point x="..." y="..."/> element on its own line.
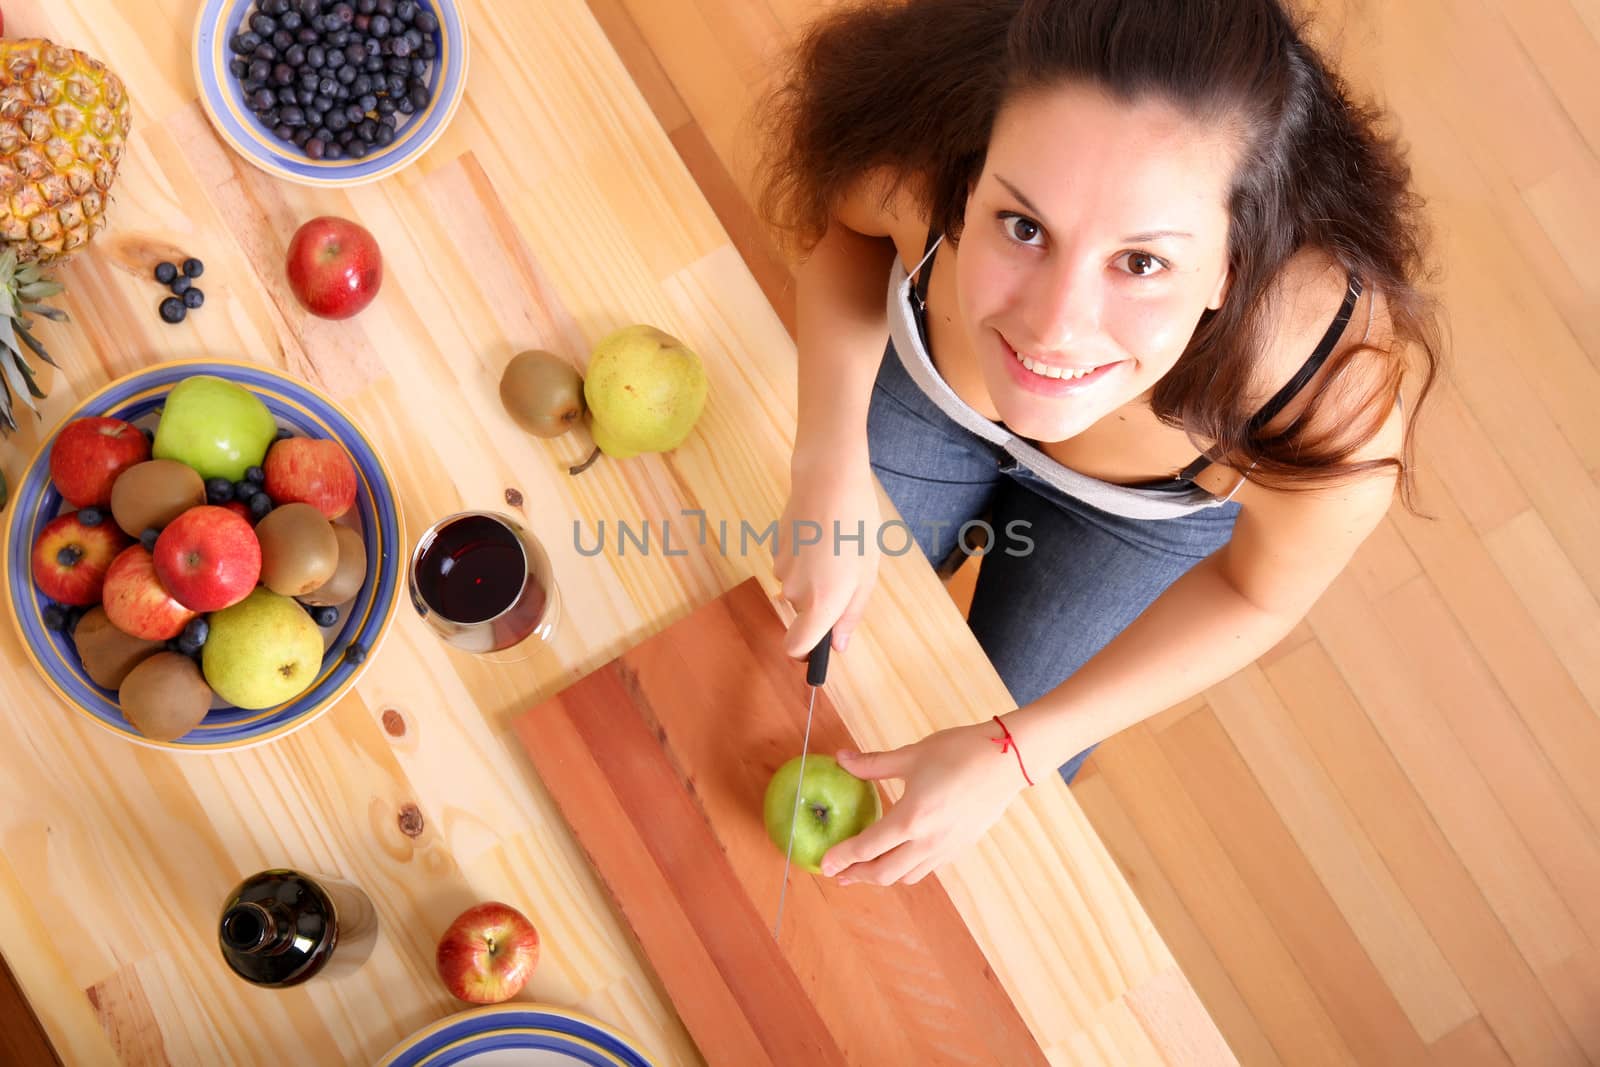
<point x="816" y="674"/>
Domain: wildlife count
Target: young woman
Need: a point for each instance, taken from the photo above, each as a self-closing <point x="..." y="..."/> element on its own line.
<point x="1151" y="296"/>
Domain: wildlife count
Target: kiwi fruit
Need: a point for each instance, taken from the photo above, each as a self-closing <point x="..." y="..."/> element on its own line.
<point x="165" y="696"/>
<point x="542" y="393"/>
<point x="153" y="493"/>
<point x="107" y="653"/>
<point x="299" y="550"/>
<point x="348" y="575"/>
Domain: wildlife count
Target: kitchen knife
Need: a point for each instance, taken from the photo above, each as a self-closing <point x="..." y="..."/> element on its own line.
<point x="816" y="674"/>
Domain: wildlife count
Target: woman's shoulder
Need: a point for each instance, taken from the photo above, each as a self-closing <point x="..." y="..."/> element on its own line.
<point x="884" y="202"/>
<point x="1303" y="309"/>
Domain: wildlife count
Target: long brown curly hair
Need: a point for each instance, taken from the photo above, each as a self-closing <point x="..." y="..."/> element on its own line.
<point x="912" y="88"/>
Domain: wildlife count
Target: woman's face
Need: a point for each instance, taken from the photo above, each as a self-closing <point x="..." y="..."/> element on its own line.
<point x="1094" y="239"/>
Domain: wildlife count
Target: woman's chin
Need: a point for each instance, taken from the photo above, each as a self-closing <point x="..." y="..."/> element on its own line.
<point x="1044" y="422"/>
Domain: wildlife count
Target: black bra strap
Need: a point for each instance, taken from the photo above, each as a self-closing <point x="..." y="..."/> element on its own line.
<point x="1309" y="369"/>
<point x="1302" y="378"/>
<point x="927" y="267"/>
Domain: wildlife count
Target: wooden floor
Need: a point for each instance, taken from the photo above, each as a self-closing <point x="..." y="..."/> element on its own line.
<point x="1379" y="844"/>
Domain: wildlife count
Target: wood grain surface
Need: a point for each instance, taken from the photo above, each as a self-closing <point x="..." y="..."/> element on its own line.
<point x="553" y="210"/>
<point x="659" y="762"/>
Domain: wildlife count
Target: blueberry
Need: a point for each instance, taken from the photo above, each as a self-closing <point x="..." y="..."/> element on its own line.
<point x="418" y="96"/>
<point x="55" y="617"/>
<point x="429" y="50"/>
<point x="380" y="25"/>
<point x="284" y="433"/>
<point x="356" y="653"/>
<point x="343" y="14"/>
<point x="387" y="7"/>
<point x="358" y="148"/>
<point x="292" y="21"/>
<point x="335" y="151"/>
<point x="181" y="284"/>
<point x="149" y="435"/>
<point x="385" y="135"/>
<point x="426" y="21"/>
<point x="195" y="297"/>
<point x="263" y="23"/>
<point x="219" y="491"/>
<point x="325" y="617"/>
<point x="315" y="148"/>
<point x="301" y="137"/>
<point x="366" y="7"/>
<point x="282" y="40"/>
<point x="74" y="616"/>
<point x="173" y="311"/>
<point x="175" y="644"/>
<point x="260" y="506"/>
<point x="256" y="475"/>
<point x="197" y="631"/>
<point x="286" y="98"/>
<point x="69" y="555"/>
<point x="148" y="538"/>
<point x="404" y="106"/>
<point x="91" y="516"/>
<point x="243" y="490"/>
<point x="406" y="11"/>
<point x="238" y="67"/>
<point x="262" y="99"/>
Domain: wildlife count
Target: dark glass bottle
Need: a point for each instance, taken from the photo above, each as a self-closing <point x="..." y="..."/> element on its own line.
<point x="281" y="927"/>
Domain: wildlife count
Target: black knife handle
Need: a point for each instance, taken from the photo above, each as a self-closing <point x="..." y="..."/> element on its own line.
<point x="817" y="662"/>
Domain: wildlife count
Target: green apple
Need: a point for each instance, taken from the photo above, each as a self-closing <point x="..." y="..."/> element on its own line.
<point x="834" y="805"/>
<point x="263" y="651"/>
<point x="219" y="428"/>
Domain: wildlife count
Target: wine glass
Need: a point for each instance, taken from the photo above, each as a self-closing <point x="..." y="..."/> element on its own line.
<point x="484" y="584"/>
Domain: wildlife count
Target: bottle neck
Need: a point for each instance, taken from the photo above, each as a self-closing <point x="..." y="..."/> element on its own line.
<point x="257" y="929"/>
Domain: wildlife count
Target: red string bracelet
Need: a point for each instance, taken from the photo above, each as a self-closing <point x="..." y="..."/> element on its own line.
<point x="1009" y="744"/>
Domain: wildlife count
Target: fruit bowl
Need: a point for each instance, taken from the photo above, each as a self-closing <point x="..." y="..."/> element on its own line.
<point x="223" y="99"/>
<point x="362" y="624"/>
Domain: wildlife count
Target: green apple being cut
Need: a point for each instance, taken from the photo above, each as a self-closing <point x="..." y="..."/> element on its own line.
<point x="834" y="805"/>
<point x="263" y="651"/>
<point x="219" y="428"/>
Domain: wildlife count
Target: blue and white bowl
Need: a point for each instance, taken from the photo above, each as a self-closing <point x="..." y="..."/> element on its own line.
<point x="363" y="622"/>
<point x="222" y="98"/>
<point x="527" y="1035"/>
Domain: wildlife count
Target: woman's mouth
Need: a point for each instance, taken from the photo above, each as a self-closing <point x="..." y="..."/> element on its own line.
<point x="1052" y="379"/>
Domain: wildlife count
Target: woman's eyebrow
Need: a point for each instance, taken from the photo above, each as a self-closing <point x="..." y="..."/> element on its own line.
<point x="1132" y="238"/>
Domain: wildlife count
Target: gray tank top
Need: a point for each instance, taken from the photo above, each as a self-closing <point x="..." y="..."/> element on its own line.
<point x="1171" y="500"/>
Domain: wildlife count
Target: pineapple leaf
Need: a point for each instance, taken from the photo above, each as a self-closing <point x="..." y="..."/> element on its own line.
<point x="15" y="378"/>
<point x="29" y="376"/>
<point x="8" y="262"/>
<point x="7" y="422"/>
<point x="53" y="314"/>
<point x="40" y="290"/>
<point x="38" y="349"/>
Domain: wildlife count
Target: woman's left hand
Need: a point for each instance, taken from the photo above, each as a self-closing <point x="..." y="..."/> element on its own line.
<point x="958" y="783"/>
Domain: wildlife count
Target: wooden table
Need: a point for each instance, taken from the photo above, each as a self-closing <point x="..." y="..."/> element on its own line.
<point x="552" y="211"/>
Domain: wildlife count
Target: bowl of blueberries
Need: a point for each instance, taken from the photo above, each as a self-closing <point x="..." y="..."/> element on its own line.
<point x="330" y="92"/>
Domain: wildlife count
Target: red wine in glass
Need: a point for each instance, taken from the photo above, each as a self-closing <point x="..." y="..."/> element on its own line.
<point x="483" y="582"/>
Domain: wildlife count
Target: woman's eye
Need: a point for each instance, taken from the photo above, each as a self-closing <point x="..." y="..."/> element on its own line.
<point x="1020" y="228"/>
<point x="1143" y="264"/>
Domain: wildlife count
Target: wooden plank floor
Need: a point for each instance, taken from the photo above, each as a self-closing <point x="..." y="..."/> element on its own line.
<point x="1378" y="845"/>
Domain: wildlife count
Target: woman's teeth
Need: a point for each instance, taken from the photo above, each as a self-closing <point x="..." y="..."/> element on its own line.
<point x="1044" y="371"/>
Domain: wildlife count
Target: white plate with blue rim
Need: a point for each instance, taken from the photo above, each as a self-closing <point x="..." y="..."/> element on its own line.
<point x="517" y="1035"/>
<point x="222" y="98"/>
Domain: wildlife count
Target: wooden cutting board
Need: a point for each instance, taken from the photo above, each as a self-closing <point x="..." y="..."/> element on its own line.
<point x="659" y="762"/>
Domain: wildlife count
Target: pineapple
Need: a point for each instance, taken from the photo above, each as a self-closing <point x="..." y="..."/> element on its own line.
<point x="64" y="119"/>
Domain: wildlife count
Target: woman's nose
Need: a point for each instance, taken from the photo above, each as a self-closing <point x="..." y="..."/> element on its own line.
<point x="1064" y="308"/>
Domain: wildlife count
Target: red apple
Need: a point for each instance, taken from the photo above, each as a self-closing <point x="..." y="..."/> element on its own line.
<point x="488" y="953"/>
<point x="208" y="558"/>
<point x="309" y="470"/>
<point x="137" y="603"/>
<point x="87" y="456"/>
<point x="240" y="510"/>
<point x="334" y="267"/>
<point x="70" y="559"/>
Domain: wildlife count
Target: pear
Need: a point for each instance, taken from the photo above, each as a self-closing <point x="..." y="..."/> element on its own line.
<point x="645" y="390"/>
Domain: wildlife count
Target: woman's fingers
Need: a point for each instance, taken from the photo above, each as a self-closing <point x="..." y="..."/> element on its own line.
<point x="888" y="868"/>
<point x="866" y="846"/>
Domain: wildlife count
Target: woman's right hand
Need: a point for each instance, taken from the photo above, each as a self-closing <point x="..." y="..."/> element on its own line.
<point x="829" y="580"/>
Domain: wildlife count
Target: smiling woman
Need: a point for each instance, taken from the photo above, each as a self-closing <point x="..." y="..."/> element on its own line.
<point x="1168" y="230"/>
